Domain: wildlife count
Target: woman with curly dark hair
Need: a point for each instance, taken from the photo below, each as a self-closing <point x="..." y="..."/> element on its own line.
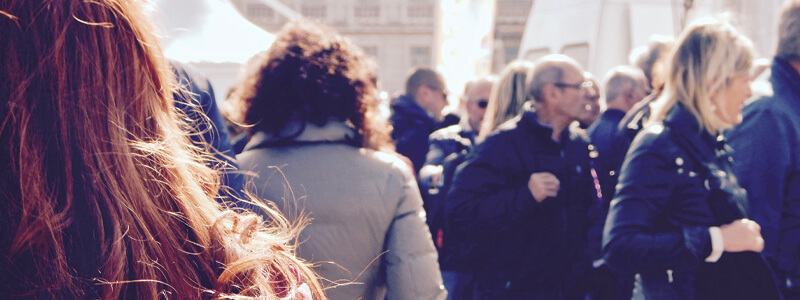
<point x="103" y="196"/>
<point x="319" y="147"/>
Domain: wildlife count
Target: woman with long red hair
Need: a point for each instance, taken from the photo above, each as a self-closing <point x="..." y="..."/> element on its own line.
<point x="103" y="195"/>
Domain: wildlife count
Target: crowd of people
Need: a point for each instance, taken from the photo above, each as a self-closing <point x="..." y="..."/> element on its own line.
<point x="669" y="178"/>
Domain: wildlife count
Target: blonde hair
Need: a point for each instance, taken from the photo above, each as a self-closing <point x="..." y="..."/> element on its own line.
<point x="507" y="97"/>
<point x="707" y="55"/>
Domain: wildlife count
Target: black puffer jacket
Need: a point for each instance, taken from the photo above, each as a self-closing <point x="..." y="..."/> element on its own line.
<point x="411" y="127"/>
<point x="515" y="247"/>
<point x="677" y="182"/>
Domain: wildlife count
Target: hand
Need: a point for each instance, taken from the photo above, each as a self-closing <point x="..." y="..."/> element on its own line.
<point x="434" y="173"/>
<point x="543" y="185"/>
<point x="742" y="235"/>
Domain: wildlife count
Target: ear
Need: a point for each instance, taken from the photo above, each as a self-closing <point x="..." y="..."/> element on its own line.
<point x="422" y="92"/>
<point x="550" y="92"/>
<point x="629" y="94"/>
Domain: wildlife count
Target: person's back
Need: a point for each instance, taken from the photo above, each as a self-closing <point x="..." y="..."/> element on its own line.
<point x="318" y="150"/>
<point x="365" y="211"/>
<point x="767" y="159"/>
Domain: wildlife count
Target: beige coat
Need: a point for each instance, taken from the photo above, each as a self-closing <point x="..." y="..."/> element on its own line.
<point x="367" y="230"/>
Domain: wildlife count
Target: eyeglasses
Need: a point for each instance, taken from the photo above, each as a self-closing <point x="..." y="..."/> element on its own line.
<point x="483" y="103"/>
<point x="435" y="88"/>
<point x="577" y="86"/>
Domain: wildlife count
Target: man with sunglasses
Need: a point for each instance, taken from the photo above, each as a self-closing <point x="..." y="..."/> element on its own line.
<point x="417" y="113"/>
<point x="447" y="147"/>
<point x="518" y="206"/>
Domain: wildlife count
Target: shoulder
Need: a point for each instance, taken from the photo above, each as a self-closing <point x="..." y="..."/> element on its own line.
<point x="654" y="138"/>
<point x="767" y="118"/>
<point x="577" y="134"/>
<point x="447" y="133"/>
<point x="390" y="163"/>
<point x="500" y="137"/>
<point x="776" y="106"/>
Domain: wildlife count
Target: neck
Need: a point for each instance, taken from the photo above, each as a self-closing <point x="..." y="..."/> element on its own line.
<point x="431" y="111"/>
<point x="476" y="126"/>
<point x="556" y="121"/>
<point x="618" y="104"/>
<point x="795" y="65"/>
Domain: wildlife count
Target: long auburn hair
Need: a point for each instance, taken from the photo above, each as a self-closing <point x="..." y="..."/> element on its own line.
<point x="311" y="74"/>
<point x="103" y="195"/>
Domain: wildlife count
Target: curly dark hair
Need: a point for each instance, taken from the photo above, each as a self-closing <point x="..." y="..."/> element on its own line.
<point x="313" y="75"/>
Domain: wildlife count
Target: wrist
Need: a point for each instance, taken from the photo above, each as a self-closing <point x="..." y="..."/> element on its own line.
<point x="717" y="244"/>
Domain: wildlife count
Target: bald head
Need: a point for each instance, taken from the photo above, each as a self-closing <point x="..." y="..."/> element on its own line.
<point x="476" y="99"/>
<point x="548" y="70"/>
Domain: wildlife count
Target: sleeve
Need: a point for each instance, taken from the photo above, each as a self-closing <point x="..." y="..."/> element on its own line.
<point x="411" y="140"/>
<point x="490" y="192"/>
<point x="761" y="161"/>
<point x="412" y="270"/>
<point x="635" y="237"/>
<point x="436" y="152"/>
<point x="434" y="157"/>
<point x="717" y="244"/>
<point x="209" y="129"/>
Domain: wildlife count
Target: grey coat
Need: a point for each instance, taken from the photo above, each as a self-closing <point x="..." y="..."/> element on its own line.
<point x="367" y="228"/>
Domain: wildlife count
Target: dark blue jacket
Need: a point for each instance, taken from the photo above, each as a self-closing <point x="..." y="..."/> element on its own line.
<point x="676" y="182"/>
<point x="520" y="248"/>
<point x="767" y="146"/>
<point x="448" y="148"/>
<point x="208" y="127"/>
<point x="604" y="135"/>
<point x="411" y="127"/>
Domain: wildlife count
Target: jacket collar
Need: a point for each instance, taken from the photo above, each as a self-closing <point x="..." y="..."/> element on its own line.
<point x="785" y="79"/>
<point x="613" y="114"/>
<point x="332" y="132"/>
<point x="530" y="121"/>
<point x="687" y="127"/>
<point x="406" y="105"/>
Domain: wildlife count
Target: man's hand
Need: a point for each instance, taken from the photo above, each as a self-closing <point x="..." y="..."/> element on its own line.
<point x="543" y="185"/>
<point x="742" y="235"/>
<point x="434" y="173"/>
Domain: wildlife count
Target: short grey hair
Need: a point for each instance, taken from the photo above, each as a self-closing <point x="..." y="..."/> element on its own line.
<point x="621" y="78"/>
<point x="547" y="70"/>
<point x="789" y="32"/>
<point x="476" y="82"/>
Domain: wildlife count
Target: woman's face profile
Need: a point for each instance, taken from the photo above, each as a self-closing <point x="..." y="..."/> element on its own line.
<point x="732" y="98"/>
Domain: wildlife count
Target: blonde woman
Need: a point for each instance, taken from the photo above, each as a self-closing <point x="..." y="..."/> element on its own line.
<point x="679" y="217"/>
<point x="507" y="97"/>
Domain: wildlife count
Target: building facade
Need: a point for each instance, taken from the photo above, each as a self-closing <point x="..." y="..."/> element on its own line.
<point x="510" y="19"/>
<point x="397" y="34"/>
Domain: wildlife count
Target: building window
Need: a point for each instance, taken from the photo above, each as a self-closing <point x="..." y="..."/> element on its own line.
<point x="514" y="10"/>
<point x="579" y="52"/>
<point x="367" y="12"/>
<point x="314" y="11"/>
<point x="420" y="56"/>
<point x="418" y="11"/>
<point x="534" y="54"/>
